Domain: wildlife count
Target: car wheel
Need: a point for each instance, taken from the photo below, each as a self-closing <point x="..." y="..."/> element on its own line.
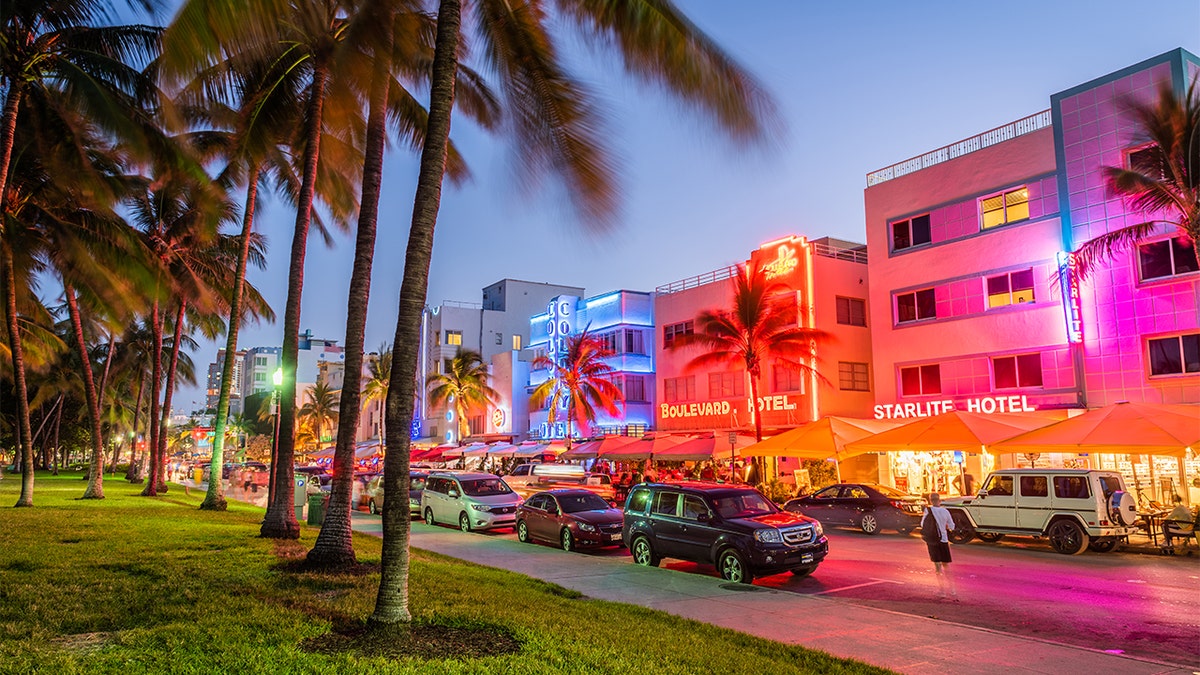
<point x="962" y="532"/>
<point x="372" y="507"/>
<point x="1067" y="537"/>
<point x="464" y="522"/>
<point x="733" y="568"/>
<point x="522" y="532"/>
<point x="904" y="530"/>
<point x="429" y="516"/>
<point x="869" y="524"/>
<point x="989" y="537"/>
<point x="643" y="553"/>
<point x="1102" y="545"/>
<point x="567" y="541"/>
<point x="801" y="572"/>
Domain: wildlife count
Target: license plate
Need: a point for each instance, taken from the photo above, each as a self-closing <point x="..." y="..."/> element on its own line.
<point x="614" y="537"/>
<point x="806" y="558"/>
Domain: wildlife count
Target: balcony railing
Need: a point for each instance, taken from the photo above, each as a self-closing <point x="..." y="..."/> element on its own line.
<point x="857" y="254"/>
<point x="998" y="135"/>
<point x="698" y="280"/>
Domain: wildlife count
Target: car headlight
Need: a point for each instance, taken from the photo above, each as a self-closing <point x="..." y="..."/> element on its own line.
<point x="587" y="527"/>
<point x="771" y="536"/>
<point x="480" y="507"/>
<point x="817" y="530"/>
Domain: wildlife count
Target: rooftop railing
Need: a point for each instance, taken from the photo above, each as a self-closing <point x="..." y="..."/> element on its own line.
<point x="998" y="135"/>
<point x="698" y="280"/>
<point x="857" y="254"/>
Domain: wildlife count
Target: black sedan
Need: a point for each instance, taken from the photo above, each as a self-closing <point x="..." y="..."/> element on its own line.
<point x="867" y="506"/>
<point x="570" y="518"/>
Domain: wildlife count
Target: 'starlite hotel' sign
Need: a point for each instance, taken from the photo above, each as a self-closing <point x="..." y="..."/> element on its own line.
<point x="986" y="404"/>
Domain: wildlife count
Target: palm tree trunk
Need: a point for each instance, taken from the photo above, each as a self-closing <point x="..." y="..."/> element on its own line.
<point x="334" y="547"/>
<point x="135" y="471"/>
<point x="18" y="363"/>
<point x="213" y="499"/>
<point x="168" y="392"/>
<point x="280" y="521"/>
<point x="391" y="603"/>
<point x="8" y="130"/>
<point x="151" y="489"/>
<point x="757" y="425"/>
<point x="95" y="488"/>
<point x="57" y="446"/>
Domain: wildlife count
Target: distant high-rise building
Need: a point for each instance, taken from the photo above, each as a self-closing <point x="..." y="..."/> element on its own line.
<point x="214" y="382"/>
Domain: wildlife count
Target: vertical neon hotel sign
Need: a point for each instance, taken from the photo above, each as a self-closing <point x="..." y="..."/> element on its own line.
<point x="1067" y="267"/>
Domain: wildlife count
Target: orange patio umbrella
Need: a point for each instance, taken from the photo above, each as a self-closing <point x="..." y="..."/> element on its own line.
<point x="591" y="449"/>
<point x="700" y="448"/>
<point x="644" y="448"/>
<point x="956" y="430"/>
<point x="1120" y="428"/>
<point x="825" y="438"/>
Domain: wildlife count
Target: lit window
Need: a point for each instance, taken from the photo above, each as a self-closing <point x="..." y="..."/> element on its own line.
<point x="911" y="232"/>
<point x="1175" y="355"/>
<point x="726" y="385"/>
<point x="1005" y="207"/>
<point x="675" y="330"/>
<point x="1167" y="258"/>
<point x="1012" y="372"/>
<point x="454" y="337"/>
<point x="517" y="343"/>
<point x="853" y="376"/>
<point x="852" y="311"/>
<point x="921" y="380"/>
<point x="1010" y="289"/>
<point x="916" y="306"/>
<point x="787" y="378"/>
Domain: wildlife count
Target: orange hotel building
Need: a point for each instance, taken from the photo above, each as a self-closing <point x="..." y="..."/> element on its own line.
<point x="829" y="278"/>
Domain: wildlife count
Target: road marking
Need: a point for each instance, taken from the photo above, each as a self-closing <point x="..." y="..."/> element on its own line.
<point x="869" y="583"/>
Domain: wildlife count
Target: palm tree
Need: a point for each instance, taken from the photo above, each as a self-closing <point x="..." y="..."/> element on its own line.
<point x="320" y="409"/>
<point x="556" y="130"/>
<point x="379" y="374"/>
<point x="1163" y="180"/>
<point x="464" y="385"/>
<point x="580" y="382"/>
<point x="760" y="327"/>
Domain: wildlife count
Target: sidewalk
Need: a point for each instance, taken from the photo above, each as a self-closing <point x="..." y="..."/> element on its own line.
<point x="902" y="642"/>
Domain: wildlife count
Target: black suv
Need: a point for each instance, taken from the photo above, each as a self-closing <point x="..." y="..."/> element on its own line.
<point x="733" y="527"/>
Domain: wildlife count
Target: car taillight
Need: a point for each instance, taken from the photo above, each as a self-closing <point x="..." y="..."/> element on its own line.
<point x="897" y="503"/>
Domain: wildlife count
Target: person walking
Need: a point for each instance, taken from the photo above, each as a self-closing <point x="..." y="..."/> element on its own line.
<point x="935" y="530"/>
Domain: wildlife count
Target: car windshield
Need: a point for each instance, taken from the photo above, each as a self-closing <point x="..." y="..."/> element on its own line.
<point x="578" y="503"/>
<point x="743" y="505"/>
<point x="888" y="491"/>
<point x="481" y="487"/>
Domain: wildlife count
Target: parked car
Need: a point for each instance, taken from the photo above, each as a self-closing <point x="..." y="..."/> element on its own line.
<point x="1075" y="509"/>
<point x="733" y="527"/>
<point x="476" y="501"/>
<point x="373" y="493"/>
<point x="571" y="518"/>
<point x="867" y="506"/>
<point x="530" y="479"/>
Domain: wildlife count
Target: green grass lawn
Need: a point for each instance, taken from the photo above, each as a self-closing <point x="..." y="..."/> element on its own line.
<point x="133" y="584"/>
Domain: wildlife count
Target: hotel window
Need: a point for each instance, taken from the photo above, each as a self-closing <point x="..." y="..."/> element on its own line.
<point x="1006" y="207"/>
<point x="634" y="342"/>
<point x="454" y="337"/>
<point x="258" y="377"/>
<point x="921" y="380"/>
<point x="1011" y="372"/>
<point x="853" y="376"/>
<point x="1145" y="160"/>
<point x="634" y="389"/>
<point x="675" y="330"/>
<point x="916" y="306"/>
<point x="1175" y="355"/>
<point x="726" y="385"/>
<point x="609" y="340"/>
<point x="1010" y="289"/>
<point x="676" y="389"/>
<point x="787" y="378"/>
<point x="516" y="343"/>
<point x="260" y="360"/>
<point x="851" y="311"/>
<point x="1167" y="258"/>
<point x="911" y="232"/>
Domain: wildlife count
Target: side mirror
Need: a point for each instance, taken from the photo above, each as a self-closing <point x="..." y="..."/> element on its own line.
<point x="453" y="494"/>
<point x="703" y="517"/>
<point x="982" y="494"/>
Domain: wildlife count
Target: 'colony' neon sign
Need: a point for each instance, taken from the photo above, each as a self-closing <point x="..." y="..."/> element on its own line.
<point x="784" y="264"/>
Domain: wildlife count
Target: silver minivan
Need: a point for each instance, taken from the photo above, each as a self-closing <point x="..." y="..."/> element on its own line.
<point x="476" y="501"/>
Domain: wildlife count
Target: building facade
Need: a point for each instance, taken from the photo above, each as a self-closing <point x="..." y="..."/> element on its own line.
<point x="213" y="390"/>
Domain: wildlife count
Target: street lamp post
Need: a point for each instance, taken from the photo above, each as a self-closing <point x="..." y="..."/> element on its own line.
<point x="277" y="380"/>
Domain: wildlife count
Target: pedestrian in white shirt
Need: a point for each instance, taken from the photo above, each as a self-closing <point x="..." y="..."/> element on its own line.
<point x="937" y="540"/>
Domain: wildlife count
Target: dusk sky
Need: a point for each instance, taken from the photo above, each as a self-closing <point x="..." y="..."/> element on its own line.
<point x="859" y="86"/>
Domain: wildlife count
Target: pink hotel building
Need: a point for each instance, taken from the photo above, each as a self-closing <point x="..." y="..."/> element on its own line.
<point x="969" y="266"/>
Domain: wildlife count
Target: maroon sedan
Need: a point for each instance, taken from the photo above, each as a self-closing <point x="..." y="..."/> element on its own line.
<point x="570" y="518"/>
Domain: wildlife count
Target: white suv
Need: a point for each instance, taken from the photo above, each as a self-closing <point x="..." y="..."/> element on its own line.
<point x="1075" y="509"/>
<point x="476" y="501"/>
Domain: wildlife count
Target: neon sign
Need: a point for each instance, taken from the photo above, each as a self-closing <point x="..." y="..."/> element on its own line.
<point x="560" y="324"/>
<point x="498" y="418"/>
<point x="784" y="264"/>
<point x="1067" y="267"/>
<point x="986" y="404"/>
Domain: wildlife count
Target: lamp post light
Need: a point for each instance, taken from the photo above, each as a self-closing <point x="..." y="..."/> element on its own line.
<point x="277" y="380"/>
